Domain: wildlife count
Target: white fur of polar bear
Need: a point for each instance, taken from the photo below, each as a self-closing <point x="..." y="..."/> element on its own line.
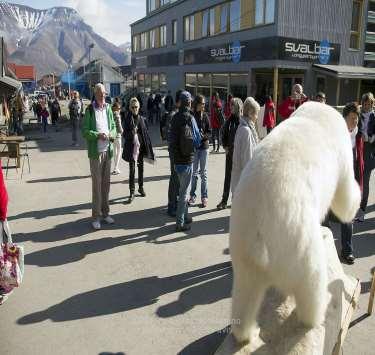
<point x="298" y="172"/>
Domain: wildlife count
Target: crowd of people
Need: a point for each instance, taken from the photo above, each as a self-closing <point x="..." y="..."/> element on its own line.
<point x="114" y="132"/>
<point x="189" y="130"/>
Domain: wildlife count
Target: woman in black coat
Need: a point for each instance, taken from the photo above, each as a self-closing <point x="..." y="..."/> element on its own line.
<point x="137" y="146"/>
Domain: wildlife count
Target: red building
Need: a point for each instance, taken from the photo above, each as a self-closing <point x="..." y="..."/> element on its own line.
<point x="26" y="74"/>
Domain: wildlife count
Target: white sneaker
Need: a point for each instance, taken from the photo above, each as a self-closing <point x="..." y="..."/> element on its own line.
<point x="109" y="220"/>
<point x="96" y="224"/>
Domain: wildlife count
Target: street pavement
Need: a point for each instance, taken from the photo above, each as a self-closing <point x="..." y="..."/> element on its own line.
<point x="136" y="287"/>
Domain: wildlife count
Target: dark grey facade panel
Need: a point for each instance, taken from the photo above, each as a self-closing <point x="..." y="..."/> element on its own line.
<point x="321" y="20"/>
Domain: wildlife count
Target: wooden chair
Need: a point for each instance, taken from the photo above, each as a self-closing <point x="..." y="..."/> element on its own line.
<point x="372" y="294"/>
<point x="12" y="152"/>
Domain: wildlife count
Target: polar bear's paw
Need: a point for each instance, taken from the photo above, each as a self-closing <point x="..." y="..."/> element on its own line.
<point x="245" y="335"/>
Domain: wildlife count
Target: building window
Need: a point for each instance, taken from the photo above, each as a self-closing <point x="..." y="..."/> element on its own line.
<point x="174" y="32"/>
<point x="220" y="84"/>
<point x="144" y="41"/>
<point x="212" y="22"/>
<point x="154" y="82"/>
<point x="152" y="5"/>
<point x="264" y="11"/>
<point x="320" y="84"/>
<point x="163" y="36"/>
<point x="141" y="82"/>
<point x="355" y="31"/>
<point x="189" y="28"/>
<point x="224" y="18"/>
<point x="186" y="28"/>
<point x="163" y="83"/>
<point x="198" y="22"/>
<point x="153" y="38"/>
<point x="191" y="83"/>
<point x="270" y="11"/>
<point x="205" y="23"/>
<point x="136" y="43"/>
<point x="238" y="85"/>
<point x="235" y="15"/>
<point x="147" y="83"/>
<point x="259" y="12"/>
<point x="204" y="85"/>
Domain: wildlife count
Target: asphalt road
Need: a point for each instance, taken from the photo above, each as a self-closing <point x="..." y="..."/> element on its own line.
<point x="136" y="287"/>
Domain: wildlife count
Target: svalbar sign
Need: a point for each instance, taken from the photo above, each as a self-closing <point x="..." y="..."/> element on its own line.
<point x="322" y="52"/>
<point x="230" y="53"/>
<point x="270" y="48"/>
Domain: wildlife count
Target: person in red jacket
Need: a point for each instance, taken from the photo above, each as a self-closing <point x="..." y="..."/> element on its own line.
<point x="227" y="107"/>
<point x="291" y="103"/>
<point x="3" y="221"/>
<point x="216" y="105"/>
<point x="269" y="120"/>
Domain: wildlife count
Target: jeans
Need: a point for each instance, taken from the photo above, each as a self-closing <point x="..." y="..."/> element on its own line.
<point x="44" y="124"/>
<point x="54" y="119"/>
<point x="173" y="188"/>
<point x="216" y="136"/>
<point x="184" y="179"/>
<point x="200" y="167"/>
<point x="369" y="166"/>
<point x="132" y="173"/>
<point x="117" y="152"/>
<point x="346" y="238"/>
<point x="346" y="233"/>
<point x="228" y="175"/>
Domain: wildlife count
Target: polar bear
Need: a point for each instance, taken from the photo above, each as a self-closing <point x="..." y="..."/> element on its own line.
<point x="300" y="171"/>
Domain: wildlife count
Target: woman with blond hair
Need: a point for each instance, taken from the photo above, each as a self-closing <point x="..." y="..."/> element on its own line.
<point x="228" y="135"/>
<point x="137" y="146"/>
<point x="246" y="139"/>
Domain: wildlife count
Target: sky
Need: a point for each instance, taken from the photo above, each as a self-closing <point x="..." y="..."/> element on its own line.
<point x="109" y="18"/>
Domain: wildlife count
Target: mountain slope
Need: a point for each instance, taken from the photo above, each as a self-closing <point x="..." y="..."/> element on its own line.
<point x="52" y="39"/>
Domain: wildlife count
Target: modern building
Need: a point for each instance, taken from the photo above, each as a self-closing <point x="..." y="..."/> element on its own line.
<point x="82" y="78"/>
<point x="256" y="47"/>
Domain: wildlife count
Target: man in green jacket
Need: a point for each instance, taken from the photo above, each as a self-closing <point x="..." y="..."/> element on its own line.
<point x="99" y="130"/>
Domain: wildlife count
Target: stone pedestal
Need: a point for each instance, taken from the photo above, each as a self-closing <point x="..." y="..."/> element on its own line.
<point x="282" y="334"/>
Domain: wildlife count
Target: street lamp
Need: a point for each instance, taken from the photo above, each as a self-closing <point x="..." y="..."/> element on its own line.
<point x="69" y="69"/>
<point x="91" y="46"/>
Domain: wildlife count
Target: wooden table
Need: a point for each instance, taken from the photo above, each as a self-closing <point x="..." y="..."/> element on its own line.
<point x="13" y="143"/>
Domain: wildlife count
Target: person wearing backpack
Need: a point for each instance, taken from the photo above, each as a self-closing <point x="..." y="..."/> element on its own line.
<point x="75" y="111"/>
<point x="55" y="112"/>
<point x="184" y="140"/>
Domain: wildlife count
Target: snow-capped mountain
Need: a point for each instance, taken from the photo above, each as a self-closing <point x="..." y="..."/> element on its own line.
<point x="52" y="39"/>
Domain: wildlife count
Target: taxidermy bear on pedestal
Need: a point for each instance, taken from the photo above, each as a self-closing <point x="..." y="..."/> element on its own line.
<point x="303" y="169"/>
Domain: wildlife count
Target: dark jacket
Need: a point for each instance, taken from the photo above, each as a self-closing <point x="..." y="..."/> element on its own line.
<point x="370" y="127"/>
<point x="129" y="125"/>
<point x="229" y="132"/>
<point x="180" y="121"/>
<point x="168" y="103"/>
<point x="203" y="123"/>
